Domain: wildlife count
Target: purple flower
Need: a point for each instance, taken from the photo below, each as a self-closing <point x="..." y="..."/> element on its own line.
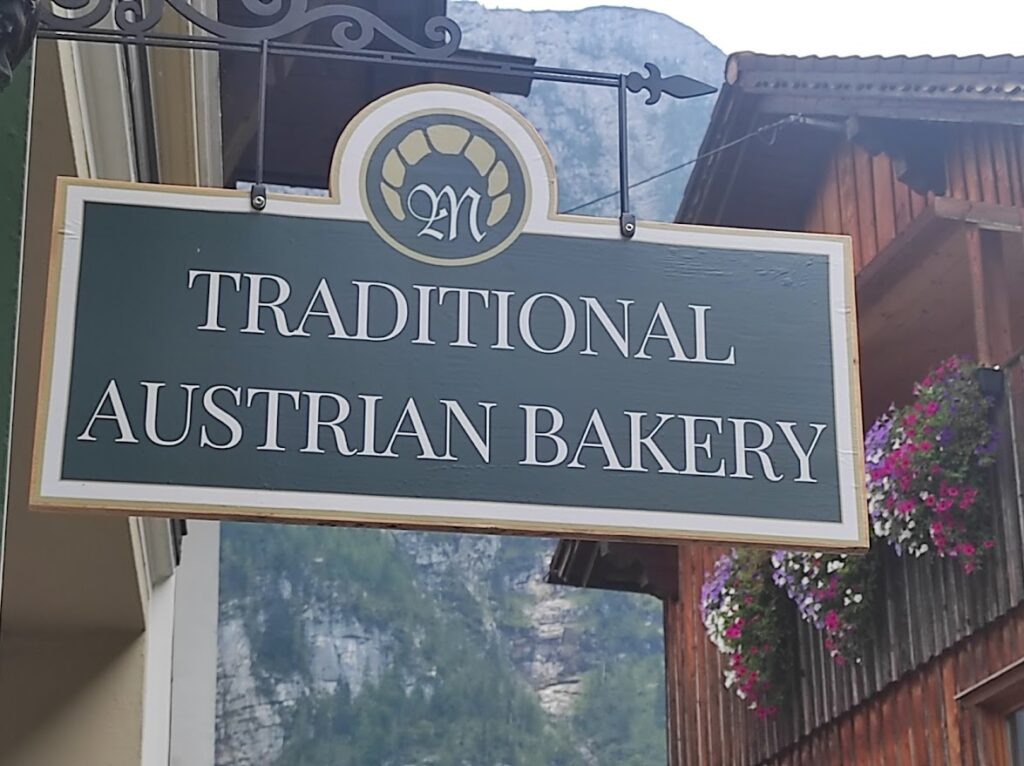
<point x="711" y="590"/>
<point x="876" y="439"/>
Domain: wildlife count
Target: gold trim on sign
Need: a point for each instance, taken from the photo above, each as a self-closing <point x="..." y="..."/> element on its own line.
<point x="602" y="225"/>
<point x="343" y="517"/>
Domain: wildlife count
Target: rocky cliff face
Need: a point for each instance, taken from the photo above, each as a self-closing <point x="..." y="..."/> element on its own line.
<point x="406" y="649"/>
<point x="579" y="123"/>
<point x="255" y="709"/>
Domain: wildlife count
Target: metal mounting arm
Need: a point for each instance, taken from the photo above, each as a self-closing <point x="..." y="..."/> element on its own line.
<point x="356" y="35"/>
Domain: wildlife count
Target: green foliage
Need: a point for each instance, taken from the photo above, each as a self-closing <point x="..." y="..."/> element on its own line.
<point x="360" y="568"/>
<point x="626" y="624"/>
<point x="467" y="714"/>
<point x="621" y="713"/>
<point x="450" y="694"/>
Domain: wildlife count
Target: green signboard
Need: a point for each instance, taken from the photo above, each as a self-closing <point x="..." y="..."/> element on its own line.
<point x="432" y="346"/>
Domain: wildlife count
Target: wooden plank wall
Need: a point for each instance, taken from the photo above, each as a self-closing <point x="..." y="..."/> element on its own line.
<point x="918" y="720"/>
<point x="924" y="649"/>
<point x="941" y="631"/>
<point x="860" y="196"/>
<point x="985" y="164"/>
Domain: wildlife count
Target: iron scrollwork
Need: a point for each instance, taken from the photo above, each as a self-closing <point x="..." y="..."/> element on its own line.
<point x="355" y="35"/>
<point x="355" y="29"/>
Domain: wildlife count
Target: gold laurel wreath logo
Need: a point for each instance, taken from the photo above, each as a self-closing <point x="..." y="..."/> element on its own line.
<point x="454" y="141"/>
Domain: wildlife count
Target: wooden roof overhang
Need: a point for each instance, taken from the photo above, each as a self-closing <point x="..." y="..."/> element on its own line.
<point x="633" y="567"/>
<point x="768" y="181"/>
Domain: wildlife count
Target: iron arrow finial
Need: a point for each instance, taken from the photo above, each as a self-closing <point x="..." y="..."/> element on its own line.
<point x="677" y="85"/>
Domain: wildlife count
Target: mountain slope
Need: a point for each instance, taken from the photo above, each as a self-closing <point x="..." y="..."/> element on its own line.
<point x="579" y="123"/>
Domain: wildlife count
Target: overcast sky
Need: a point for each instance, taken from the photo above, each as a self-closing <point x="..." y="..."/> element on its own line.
<point x="860" y="27"/>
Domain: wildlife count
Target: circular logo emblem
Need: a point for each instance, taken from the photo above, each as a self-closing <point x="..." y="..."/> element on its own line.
<point x="445" y="189"/>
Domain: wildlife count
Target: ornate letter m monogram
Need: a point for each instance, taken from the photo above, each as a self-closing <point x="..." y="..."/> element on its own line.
<point x="447" y="204"/>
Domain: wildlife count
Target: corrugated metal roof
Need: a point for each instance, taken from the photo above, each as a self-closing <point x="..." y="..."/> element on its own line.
<point x="933" y="77"/>
<point x="888" y="64"/>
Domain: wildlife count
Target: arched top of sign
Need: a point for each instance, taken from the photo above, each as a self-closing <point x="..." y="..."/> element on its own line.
<point x="445" y="175"/>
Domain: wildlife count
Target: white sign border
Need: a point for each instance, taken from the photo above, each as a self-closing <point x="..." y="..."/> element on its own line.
<point x="50" y="491"/>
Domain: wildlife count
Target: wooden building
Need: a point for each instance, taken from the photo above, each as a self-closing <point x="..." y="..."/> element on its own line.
<point x="921" y="161"/>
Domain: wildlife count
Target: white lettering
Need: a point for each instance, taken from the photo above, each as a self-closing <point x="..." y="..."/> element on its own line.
<point x="273" y="410"/>
<point x="761" y="450"/>
<point x="669" y="333"/>
<point x="330" y="312"/>
<point x="256" y="303"/>
<point x="482" y="444"/>
<point x="118" y="415"/>
<point x="533" y="435"/>
<point x="604" y="443"/>
<point x="423" y="331"/>
<point x="465" y="295"/>
<point x="152" y="405"/>
<point x="363" y="315"/>
<point x="418" y="432"/>
<point x="222" y="416"/>
<point x="701" y="335"/>
<point x="619" y="338"/>
<point x="638" y="443"/>
<point x="370" y="428"/>
<point x="212" y="322"/>
<point x="568" y="323"/>
<point x="316" y="422"/>
<point x="692" y="445"/>
<point x="502" y="344"/>
<point x="803" y="456"/>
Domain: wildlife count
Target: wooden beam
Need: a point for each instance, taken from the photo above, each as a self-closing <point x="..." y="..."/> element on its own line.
<point x="989" y="283"/>
<point x="996" y="283"/>
<point x="983" y="346"/>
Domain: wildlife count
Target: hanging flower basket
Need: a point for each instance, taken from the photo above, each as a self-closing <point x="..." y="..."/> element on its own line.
<point x="927" y="469"/>
<point x="928" y="475"/>
<point x="833" y="592"/>
<point x="749" y="620"/>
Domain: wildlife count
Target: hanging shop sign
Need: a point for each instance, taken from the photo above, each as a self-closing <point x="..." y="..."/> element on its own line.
<point x="433" y="346"/>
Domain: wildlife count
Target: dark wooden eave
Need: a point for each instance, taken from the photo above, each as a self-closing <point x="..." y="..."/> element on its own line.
<point x="899" y="105"/>
<point x="311" y="100"/>
<point x="632" y="567"/>
<point x="944" y="89"/>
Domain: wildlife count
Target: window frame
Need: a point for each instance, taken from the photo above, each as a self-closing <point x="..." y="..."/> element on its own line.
<point x="994" y="700"/>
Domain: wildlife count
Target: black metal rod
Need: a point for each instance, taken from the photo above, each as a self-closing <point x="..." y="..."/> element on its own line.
<point x="623" y="148"/>
<point x="550" y="74"/>
<point x="261" y="127"/>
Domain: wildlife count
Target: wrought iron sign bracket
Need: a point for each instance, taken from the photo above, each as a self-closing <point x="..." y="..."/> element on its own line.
<point x="356" y="34"/>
